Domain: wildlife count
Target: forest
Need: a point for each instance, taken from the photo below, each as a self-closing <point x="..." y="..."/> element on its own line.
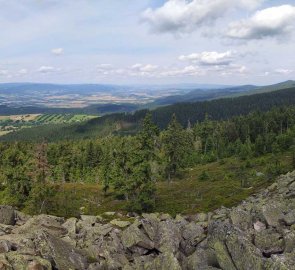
<point x="129" y="123"/>
<point x="130" y="168"/>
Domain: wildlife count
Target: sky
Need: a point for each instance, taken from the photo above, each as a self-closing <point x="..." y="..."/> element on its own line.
<point x="230" y="42"/>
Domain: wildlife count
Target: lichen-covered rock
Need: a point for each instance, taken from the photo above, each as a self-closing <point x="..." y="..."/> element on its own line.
<point x="269" y="242"/>
<point x="26" y="262"/>
<point x="133" y="236"/>
<point x="241" y="218"/>
<point x="192" y="235"/>
<point x="70" y="226"/>
<point x="289" y="218"/>
<point x="150" y="224"/>
<point x="164" y="261"/>
<point x="5" y="246"/>
<point x="7" y="215"/>
<point x="61" y="254"/>
<point x="273" y="213"/>
<point x="233" y="248"/>
<point x="48" y="223"/>
<point x="120" y="223"/>
<point x="169" y="237"/>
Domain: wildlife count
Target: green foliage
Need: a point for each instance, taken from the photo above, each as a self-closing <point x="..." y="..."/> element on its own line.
<point x="204" y="176"/>
<point x="177" y="145"/>
<point x="274" y="168"/>
<point x="132" y="168"/>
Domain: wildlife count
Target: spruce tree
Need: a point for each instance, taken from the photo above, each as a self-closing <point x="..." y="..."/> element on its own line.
<point x="141" y="186"/>
<point x="176" y="143"/>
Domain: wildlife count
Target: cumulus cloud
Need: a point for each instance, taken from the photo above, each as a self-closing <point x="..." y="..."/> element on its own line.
<point x="187" y="15"/>
<point x="46" y="69"/>
<point x="270" y="22"/>
<point x="209" y="58"/>
<point x="57" y="51"/>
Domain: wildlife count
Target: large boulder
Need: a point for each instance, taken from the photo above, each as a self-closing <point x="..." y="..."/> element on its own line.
<point x="269" y="242"/>
<point x="50" y="224"/>
<point x="61" y="254"/>
<point x="164" y="261"/>
<point x="241" y="218"/>
<point x="169" y="237"/>
<point x="233" y="249"/>
<point x="7" y="215"/>
<point x="133" y="236"/>
<point x="192" y="235"/>
<point x="16" y="261"/>
<point x="273" y="213"/>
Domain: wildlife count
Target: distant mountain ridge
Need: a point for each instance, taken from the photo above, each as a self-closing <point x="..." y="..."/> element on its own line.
<point x="97" y="99"/>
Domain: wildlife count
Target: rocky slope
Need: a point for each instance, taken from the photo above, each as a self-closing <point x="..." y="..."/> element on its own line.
<point x="257" y="234"/>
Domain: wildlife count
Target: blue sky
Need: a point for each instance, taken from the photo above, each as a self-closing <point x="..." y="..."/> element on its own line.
<point x="147" y="41"/>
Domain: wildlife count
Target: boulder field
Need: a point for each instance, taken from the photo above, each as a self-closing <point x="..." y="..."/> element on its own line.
<point x="257" y="234"/>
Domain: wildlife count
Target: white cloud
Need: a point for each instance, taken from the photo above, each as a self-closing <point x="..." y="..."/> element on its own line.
<point x="3" y="72"/>
<point x="57" y="51"/>
<point x="144" y="68"/>
<point x="46" y="69"/>
<point x="231" y="70"/>
<point x="23" y="71"/>
<point x="209" y="58"/>
<point x="283" y="71"/>
<point x="180" y="72"/>
<point x="270" y="22"/>
<point x="187" y="15"/>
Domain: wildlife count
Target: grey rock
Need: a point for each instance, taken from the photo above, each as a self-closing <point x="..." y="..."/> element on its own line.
<point x="5" y="246"/>
<point x="164" y="261"/>
<point x="133" y="236"/>
<point x="289" y="218"/>
<point x="241" y="218"/>
<point x="169" y="237"/>
<point x="48" y="223"/>
<point x="259" y="226"/>
<point x="7" y="215"/>
<point x="70" y="226"/>
<point x="269" y="242"/>
<point x="59" y="253"/>
<point x="273" y="213"/>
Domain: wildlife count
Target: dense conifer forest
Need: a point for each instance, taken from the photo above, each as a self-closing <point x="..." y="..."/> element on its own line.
<point x="130" y="168"/>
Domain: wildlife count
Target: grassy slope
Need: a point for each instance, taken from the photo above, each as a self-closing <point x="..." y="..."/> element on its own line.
<point x="187" y="194"/>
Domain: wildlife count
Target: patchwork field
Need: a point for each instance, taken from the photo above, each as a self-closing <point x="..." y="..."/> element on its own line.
<point x="13" y="123"/>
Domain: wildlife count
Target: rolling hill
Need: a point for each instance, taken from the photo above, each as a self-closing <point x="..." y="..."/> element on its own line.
<point x="128" y="123"/>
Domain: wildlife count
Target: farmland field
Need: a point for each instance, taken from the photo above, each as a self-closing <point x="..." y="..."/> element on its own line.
<point x="13" y="123"/>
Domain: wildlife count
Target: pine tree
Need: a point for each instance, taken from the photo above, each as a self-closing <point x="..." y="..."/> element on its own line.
<point x="141" y="186"/>
<point x="176" y="143"/>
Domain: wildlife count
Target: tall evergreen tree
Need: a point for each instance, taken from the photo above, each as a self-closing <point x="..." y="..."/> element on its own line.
<point x="176" y="142"/>
<point x="141" y="187"/>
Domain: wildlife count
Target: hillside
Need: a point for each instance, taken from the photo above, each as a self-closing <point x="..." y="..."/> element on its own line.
<point x="274" y="87"/>
<point x="257" y="234"/>
<point x="201" y="95"/>
<point x="129" y="123"/>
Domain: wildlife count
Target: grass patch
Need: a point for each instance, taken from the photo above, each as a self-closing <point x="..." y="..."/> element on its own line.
<point x="228" y="183"/>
